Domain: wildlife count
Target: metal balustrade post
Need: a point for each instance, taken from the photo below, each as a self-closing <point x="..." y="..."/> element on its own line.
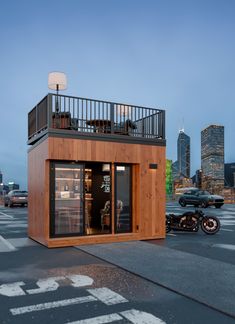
<point x="49" y="110"/>
<point x="112" y="117"/>
<point x="163" y="124"/>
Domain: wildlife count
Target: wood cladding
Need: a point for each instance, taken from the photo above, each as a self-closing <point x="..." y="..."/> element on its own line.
<point x="148" y="186"/>
<point x="38" y="193"/>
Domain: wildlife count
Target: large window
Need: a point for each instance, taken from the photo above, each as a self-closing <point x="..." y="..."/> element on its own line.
<point x="68" y="199"/>
<point x="123" y="215"/>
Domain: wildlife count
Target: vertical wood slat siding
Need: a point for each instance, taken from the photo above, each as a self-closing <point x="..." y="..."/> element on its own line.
<point x="38" y="193"/>
<point x="148" y="186"/>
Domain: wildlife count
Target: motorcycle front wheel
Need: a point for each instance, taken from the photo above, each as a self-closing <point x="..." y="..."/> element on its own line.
<point x="210" y="225"/>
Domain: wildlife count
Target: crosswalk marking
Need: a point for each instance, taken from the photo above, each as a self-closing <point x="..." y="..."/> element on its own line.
<point x="230" y="247"/>
<point x="226" y="230"/>
<point x="107" y="296"/>
<point x="53" y="283"/>
<point x="138" y="317"/>
<point x="133" y="316"/>
<point x="49" y="305"/>
<point x="7" y="244"/>
<point x="99" y="319"/>
<point x="104" y="295"/>
<point x="6" y="215"/>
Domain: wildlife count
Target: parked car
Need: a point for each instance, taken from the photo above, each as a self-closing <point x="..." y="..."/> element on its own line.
<point x="200" y="198"/>
<point x="16" y="197"/>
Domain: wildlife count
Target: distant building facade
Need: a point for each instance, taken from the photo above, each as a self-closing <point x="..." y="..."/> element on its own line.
<point x="175" y="170"/>
<point x="212" y="158"/>
<point x="183" y="154"/>
<point x="229" y="175"/>
<point x="1" y="177"/>
<point x="197" y="179"/>
<point x="4" y="189"/>
<point x="13" y="186"/>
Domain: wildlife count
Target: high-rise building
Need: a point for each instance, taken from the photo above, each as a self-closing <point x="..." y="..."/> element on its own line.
<point x="183" y="154"/>
<point x="229" y="175"/>
<point x="1" y="176"/>
<point x="212" y="158"/>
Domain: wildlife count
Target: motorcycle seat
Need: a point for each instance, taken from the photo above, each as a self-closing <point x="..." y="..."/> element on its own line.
<point x="174" y="215"/>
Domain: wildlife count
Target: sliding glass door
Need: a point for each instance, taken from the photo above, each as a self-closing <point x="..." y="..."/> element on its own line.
<point x="81" y="199"/>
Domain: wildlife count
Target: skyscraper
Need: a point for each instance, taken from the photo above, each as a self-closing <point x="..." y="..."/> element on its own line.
<point x="0" y="176"/>
<point x="212" y="158"/>
<point x="183" y="154"/>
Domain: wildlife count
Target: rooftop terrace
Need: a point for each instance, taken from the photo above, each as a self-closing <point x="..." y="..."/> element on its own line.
<point x="69" y="116"/>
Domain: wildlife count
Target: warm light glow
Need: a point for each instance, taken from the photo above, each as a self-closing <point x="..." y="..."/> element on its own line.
<point x="106" y="167"/>
<point x="57" y="81"/>
<point x="124" y="110"/>
<point x="121" y="168"/>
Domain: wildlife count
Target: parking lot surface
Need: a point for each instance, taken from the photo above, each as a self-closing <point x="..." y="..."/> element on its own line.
<point x="69" y="285"/>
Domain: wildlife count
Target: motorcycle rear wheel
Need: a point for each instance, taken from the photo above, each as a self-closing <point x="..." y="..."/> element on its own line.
<point x="210" y="225"/>
<point x="168" y="226"/>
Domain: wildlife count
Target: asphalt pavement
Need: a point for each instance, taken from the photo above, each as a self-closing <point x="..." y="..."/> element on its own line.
<point x="69" y="285"/>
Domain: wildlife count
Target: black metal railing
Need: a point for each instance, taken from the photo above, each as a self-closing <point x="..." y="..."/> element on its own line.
<point x="89" y="116"/>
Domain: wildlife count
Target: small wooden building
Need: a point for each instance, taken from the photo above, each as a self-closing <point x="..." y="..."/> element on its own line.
<point x="96" y="172"/>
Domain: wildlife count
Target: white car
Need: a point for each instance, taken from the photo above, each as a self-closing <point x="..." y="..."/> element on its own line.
<point x="16" y="197"/>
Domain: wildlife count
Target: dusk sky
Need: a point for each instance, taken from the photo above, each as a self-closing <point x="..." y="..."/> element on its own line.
<point x="174" y="55"/>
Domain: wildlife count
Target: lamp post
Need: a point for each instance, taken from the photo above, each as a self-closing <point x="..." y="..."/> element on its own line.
<point x="57" y="81"/>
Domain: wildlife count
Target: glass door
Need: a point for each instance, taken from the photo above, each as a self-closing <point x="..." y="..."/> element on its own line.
<point x="123" y="199"/>
<point x="67" y="207"/>
<point x="98" y="205"/>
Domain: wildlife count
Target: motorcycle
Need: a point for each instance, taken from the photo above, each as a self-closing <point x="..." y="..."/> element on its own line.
<point x="191" y="221"/>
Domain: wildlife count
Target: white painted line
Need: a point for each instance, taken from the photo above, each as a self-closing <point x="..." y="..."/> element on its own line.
<point x="51" y="284"/>
<point x="171" y="234"/>
<point x="133" y="316"/>
<point x="107" y="296"/>
<point x="7" y="243"/>
<point x="45" y="285"/>
<point x="55" y="304"/>
<point x="99" y="319"/>
<point x="138" y="317"/>
<point x="21" y="225"/>
<point x="80" y="280"/>
<point x="227" y="222"/>
<point x="6" y="215"/>
<point x="227" y="230"/>
<point x="22" y="241"/>
<point x="13" y="289"/>
<point x="225" y="246"/>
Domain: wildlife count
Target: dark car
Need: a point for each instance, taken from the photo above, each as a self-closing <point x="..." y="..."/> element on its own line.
<point x="16" y="197"/>
<point x="200" y="198"/>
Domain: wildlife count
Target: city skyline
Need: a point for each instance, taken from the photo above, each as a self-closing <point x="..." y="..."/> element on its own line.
<point x="173" y="56"/>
